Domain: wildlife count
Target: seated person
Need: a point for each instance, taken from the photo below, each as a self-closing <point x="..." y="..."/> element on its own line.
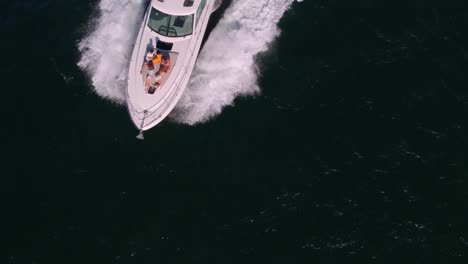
<point x="144" y="69"/>
<point x="165" y="66"/>
<point x="153" y="87"/>
<point x="151" y="78"/>
<point x="154" y="58"/>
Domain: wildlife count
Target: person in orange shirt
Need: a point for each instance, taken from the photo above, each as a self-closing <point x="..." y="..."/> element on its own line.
<point x="157" y="59"/>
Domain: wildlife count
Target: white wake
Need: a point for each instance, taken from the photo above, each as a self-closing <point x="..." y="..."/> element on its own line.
<point x="226" y="66"/>
<point x="225" y="69"/>
<point x="106" y="50"/>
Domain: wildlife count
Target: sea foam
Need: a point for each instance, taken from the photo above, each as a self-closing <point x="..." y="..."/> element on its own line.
<point x="226" y="66"/>
<point x="106" y="50"/>
<point x="225" y="69"/>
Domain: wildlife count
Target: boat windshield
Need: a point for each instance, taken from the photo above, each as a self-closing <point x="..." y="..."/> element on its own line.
<point x="169" y="25"/>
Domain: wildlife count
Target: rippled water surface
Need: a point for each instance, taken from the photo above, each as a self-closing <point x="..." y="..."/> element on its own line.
<point x="311" y="132"/>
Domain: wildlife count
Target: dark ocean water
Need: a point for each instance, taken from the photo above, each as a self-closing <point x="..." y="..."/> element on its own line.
<point x="354" y="152"/>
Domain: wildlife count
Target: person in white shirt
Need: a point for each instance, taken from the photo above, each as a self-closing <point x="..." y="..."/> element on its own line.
<point x="150" y="55"/>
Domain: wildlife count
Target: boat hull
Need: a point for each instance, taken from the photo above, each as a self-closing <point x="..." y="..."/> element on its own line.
<point x="145" y="110"/>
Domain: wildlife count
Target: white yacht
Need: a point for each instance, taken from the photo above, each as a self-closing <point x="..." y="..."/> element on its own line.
<point x="163" y="57"/>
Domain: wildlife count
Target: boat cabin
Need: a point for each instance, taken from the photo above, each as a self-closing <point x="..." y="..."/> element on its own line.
<point x="175" y="18"/>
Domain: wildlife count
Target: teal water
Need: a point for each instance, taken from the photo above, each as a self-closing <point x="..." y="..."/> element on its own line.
<point x="354" y="150"/>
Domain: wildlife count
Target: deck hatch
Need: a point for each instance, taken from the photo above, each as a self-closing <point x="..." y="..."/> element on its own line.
<point x="161" y="45"/>
<point x="188" y="3"/>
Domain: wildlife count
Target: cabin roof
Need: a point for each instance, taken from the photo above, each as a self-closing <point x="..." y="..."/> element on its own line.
<point x="176" y="7"/>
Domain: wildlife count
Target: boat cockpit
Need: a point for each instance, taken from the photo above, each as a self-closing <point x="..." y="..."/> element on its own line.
<point x="160" y="60"/>
<point x="156" y="68"/>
